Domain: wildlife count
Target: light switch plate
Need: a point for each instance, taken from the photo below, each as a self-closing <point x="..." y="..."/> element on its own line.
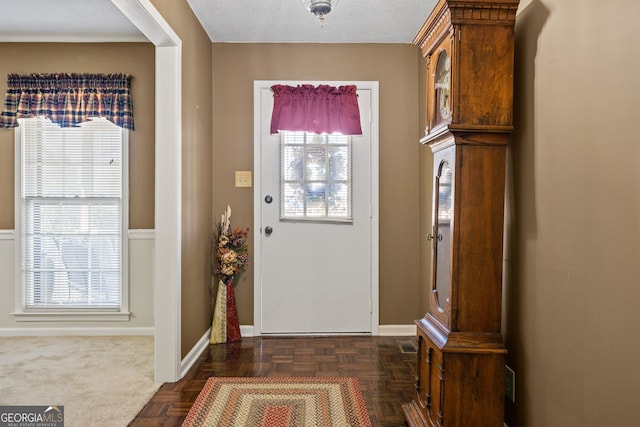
<point x="243" y="179"/>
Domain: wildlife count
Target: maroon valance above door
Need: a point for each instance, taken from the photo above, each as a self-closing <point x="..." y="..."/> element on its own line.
<point x="321" y="109"/>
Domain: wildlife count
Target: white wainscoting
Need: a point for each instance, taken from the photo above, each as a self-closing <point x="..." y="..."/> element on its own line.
<point x="141" y="264"/>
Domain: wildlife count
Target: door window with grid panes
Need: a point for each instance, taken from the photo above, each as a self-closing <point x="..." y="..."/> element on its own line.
<point x="315" y="177"/>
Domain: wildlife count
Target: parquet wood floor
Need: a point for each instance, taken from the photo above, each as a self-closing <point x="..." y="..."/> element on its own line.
<point x="385" y="373"/>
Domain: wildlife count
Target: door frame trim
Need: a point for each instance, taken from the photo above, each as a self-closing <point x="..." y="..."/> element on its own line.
<point x="167" y="282"/>
<point x="258" y="87"/>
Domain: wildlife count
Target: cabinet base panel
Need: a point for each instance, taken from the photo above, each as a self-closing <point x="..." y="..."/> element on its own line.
<point x="413" y="415"/>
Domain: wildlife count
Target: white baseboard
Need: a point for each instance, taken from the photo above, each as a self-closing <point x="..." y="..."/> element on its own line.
<point x="246" y="330"/>
<point x="202" y="344"/>
<point x="80" y="332"/>
<point x="383" y="330"/>
<point x="397" y="330"/>
<point x="194" y="353"/>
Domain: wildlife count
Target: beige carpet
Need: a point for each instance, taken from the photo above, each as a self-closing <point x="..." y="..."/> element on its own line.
<point x="100" y="381"/>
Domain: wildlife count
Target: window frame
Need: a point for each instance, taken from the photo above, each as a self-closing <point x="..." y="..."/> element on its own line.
<point x="21" y="313"/>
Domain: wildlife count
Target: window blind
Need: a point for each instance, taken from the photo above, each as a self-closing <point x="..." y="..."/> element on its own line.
<point x="71" y="219"/>
<point x="316" y="172"/>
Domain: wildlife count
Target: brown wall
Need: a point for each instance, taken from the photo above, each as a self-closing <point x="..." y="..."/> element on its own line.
<point x="396" y="67"/>
<point x="196" y="170"/>
<point x="136" y="59"/>
<point x="571" y="293"/>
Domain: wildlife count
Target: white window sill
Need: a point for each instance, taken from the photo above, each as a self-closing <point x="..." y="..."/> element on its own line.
<point x="72" y="316"/>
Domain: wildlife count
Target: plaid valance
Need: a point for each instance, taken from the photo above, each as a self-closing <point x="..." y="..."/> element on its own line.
<point x="68" y="99"/>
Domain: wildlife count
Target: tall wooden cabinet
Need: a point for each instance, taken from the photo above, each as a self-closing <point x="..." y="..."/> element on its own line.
<point x="468" y="47"/>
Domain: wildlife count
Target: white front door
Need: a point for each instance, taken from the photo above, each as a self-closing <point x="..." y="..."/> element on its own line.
<point x="317" y="276"/>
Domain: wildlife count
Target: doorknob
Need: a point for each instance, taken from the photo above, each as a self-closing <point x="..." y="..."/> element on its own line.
<point x="268" y="199"/>
<point x="268" y="230"/>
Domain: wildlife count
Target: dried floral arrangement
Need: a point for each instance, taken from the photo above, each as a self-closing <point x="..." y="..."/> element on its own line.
<point x="230" y="248"/>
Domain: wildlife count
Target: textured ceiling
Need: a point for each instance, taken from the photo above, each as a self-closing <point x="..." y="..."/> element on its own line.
<point x="240" y="21"/>
<point x="287" y="21"/>
<point x="64" y="21"/>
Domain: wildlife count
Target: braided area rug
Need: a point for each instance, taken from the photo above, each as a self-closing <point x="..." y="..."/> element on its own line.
<point x="279" y="402"/>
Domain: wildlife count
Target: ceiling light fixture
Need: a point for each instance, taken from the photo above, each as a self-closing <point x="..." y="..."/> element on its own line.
<point x="319" y="8"/>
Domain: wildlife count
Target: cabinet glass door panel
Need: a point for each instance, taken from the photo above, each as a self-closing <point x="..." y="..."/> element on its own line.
<point x="443" y="219"/>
